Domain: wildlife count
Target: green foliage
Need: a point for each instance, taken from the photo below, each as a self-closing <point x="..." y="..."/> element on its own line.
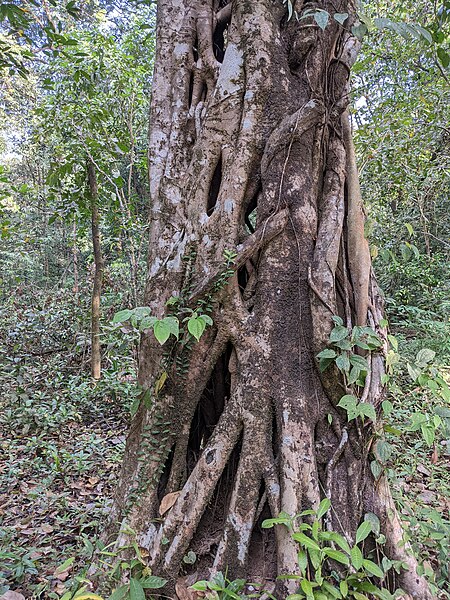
<point x="330" y="567"/>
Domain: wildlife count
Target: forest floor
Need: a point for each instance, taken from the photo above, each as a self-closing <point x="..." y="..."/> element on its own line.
<point x="61" y="443"/>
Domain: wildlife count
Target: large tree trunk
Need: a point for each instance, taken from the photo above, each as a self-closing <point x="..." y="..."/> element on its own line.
<point x="249" y="117"/>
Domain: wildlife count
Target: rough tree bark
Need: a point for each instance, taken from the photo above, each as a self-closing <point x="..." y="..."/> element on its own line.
<point x="96" y="356"/>
<point x="249" y="118"/>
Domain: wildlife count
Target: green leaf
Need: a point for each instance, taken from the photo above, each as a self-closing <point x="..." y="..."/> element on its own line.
<point x="305" y="541"/>
<point x="424" y="33"/>
<point x="327" y="353"/>
<point x="338" y="333"/>
<point x="122" y="315"/>
<point x="200" y="586"/>
<point x="302" y="561"/>
<point x="147" y="322"/>
<point x="307" y="588"/>
<point x="387" y="407"/>
<point x="136" y="590"/>
<point x="356" y="557"/>
<point x="153" y="582"/>
<point x="207" y="319"/>
<point x="196" y="327"/>
<point x="348" y="402"/>
<point x="343" y="363"/>
<point x="363" y="531"/>
<point x="359" y="361"/>
<point x="383" y="451"/>
<point x="444" y="57"/>
<point x="374" y="521"/>
<point x="282" y="519"/>
<point x="359" y="31"/>
<point x="321" y="18"/>
<point x="336" y="555"/>
<point x="414" y="372"/>
<point x="142" y="311"/>
<point x="343" y="586"/>
<point x="424" y="357"/>
<point x="173" y="324"/>
<point x="340" y="17"/>
<point x="333" y="591"/>
<point x="162" y="330"/>
<point x="119" y="593"/>
<point x="428" y="433"/>
<point x="324" y="507"/>
<point x="372" y="568"/>
<point x="338" y="539"/>
<point x="367" y="410"/>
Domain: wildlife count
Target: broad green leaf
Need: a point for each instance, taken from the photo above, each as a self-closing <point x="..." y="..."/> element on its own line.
<point x="324" y="507"/>
<point x="122" y="315"/>
<point x="302" y="561"/>
<point x="207" y="319"/>
<point x="153" y="582"/>
<point x="343" y="363"/>
<point x="336" y="555"/>
<point x="200" y="586"/>
<point x="162" y="331"/>
<point x="372" y="568"/>
<point x="359" y="361"/>
<point x="327" y="353"/>
<point x="305" y="541"/>
<point x="338" y="333"/>
<point x="142" y="311"/>
<point x="333" y="591"/>
<point x="340" y="17"/>
<point x="428" y="432"/>
<point x="348" y="402"/>
<point x="321" y="18"/>
<point x="374" y="521"/>
<point x="383" y="451"/>
<point x="307" y="588"/>
<point x="147" y="322"/>
<point x="120" y="593"/>
<point x="414" y="372"/>
<point x="424" y="357"/>
<point x="367" y="410"/>
<point x="196" y="327"/>
<point x="363" y="531"/>
<point x="343" y="586"/>
<point x="173" y="324"/>
<point x="356" y="557"/>
<point x="136" y="590"/>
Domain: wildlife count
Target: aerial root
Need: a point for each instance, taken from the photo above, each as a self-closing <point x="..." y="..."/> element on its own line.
<point x="243" y="505"/>
<point x="183" y="519"/>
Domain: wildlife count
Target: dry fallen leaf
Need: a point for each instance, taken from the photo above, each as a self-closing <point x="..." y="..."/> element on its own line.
<point x="10" y="595"/>
<point x="167" y="502"/>
<point x="183" y="590"/>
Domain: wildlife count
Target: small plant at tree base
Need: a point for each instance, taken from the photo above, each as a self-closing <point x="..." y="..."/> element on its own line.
<point x="330" y="573"/>
<point x="221" y="588"/>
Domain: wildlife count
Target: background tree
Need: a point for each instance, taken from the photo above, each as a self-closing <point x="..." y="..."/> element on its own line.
<point x="249" y="118"/>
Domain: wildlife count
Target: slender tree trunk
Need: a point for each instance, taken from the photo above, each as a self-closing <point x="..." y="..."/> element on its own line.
<point x="249" y="117"/>
<point x="98" y="273"/>
<point x="76" y="288"/>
